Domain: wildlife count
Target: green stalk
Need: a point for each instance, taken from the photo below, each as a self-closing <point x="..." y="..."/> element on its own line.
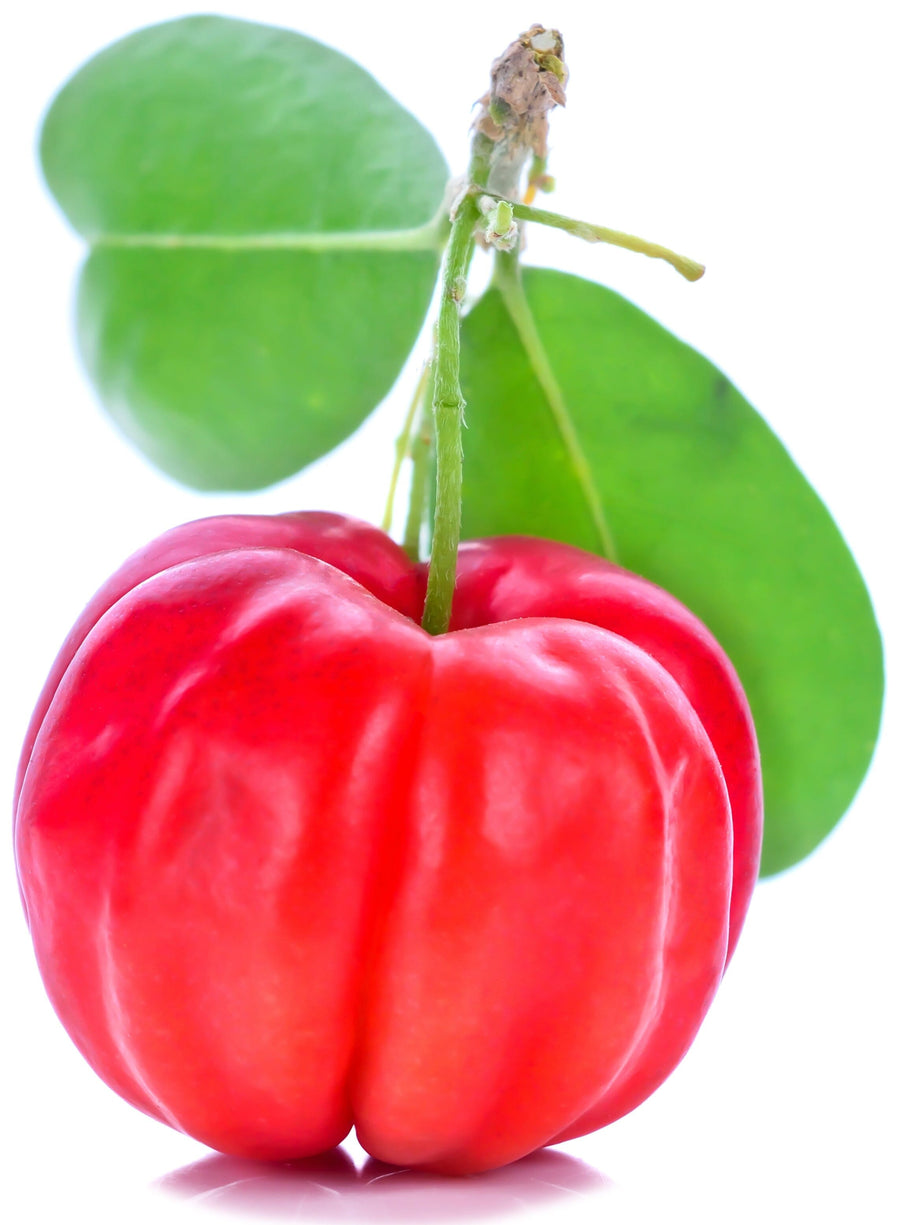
<point x="420" y="454"/>
<point x="403" y="448"/>
<point x="690" y="269"/>
<point x="527" y="81"/>
<point x="448" y="406"/>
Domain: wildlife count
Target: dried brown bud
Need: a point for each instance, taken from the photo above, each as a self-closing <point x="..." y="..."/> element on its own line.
<point x="527" y="81"/>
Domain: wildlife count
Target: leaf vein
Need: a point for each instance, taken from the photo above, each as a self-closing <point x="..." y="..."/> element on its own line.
<point x="428" y="237"/>
<point x="508" y="281"/>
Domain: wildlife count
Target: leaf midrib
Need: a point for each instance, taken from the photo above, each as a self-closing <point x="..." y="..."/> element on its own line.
<point x="507" y="280"/>
<point x="428" y="237"/>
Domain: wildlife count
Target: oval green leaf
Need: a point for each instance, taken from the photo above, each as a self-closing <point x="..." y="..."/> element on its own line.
<point x="699" y="496"/>
<point x="259" y="212"/>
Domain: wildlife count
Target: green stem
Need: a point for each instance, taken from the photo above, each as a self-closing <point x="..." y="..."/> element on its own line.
<point x="506" y="137"/>
<point x="420" y="452"/>
<point x="507" y="279"/>
<point x="689" y="268"/>
<point x="402" y="448"/>
<point x="448" y="405"/>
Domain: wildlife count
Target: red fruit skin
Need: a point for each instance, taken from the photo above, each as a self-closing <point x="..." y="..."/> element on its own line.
<point x="291" y="864"/>
<point x="518" y="576"/>
<point x="505" y="578"/>
<point x="356" y="548"/>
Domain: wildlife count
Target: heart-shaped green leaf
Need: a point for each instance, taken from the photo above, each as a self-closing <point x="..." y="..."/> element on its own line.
<point x="699" y="496"/>
<point x="262" y="256"/>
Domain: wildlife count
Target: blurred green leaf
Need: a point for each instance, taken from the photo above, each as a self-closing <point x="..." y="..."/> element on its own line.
<point x="700" y="497"/>
<point x="261" y="256"/>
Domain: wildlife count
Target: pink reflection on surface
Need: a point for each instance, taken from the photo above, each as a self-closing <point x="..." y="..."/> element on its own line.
<point x="331" y="1188"/>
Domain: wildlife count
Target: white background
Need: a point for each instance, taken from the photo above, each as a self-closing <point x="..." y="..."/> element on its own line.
<point x="760" y="138"/>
